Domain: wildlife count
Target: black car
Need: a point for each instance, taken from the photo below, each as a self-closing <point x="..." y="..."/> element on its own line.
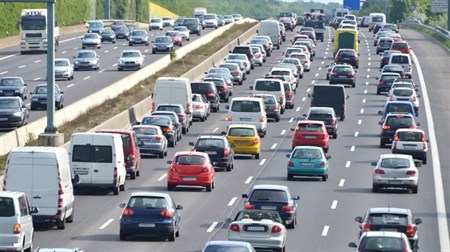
<point x="208" y="88"/>
<point x="343" y="74"/>
<point x="162" y="44"/>
<point x="194" y="26"/>
<point x="385" y="57"/>
<point x="218" y="149"/>
<point x="179" y="21"/>
<point x="288" y="23"/>
<point x="273" y="110"/>
<point x="39" y="97"/>
<point x="166" y="124"/>
<point x="122" y="32"/>
<point x="327" y="116"/>
<point x="247" y="50"/>
<point x="108" y="35"/>
<point x="385" y="81"/>
<point x="394" y="68"/>
<point x="348" y="56"/>
<point x="221" y="87"/>
<point x="392" y="123"/>
<point x="176" y="121"/>
<point x="13" y="112"/>
<point x="13" y="86"/>
<point x="384" y="43"/>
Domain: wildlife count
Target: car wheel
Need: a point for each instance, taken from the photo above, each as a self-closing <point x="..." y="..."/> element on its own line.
<point x="335" y="135"/>
<point x="290" y="226"/>
<point x="415" y="189"/>
<point x="353" y="85"/>
<point x="257" y="156"/>
<point x="325" y="177"/>
<point x="122" y="236"/>
<point x="61" y="224"/>
<point x="116" y="190"/>
<point x="424" y="160"/>
<point x="183" y="131"/>
<point x="132" y="175"/>
<point x="342" y="117"/>
<point x="130" y="44"/>
<point x="172" y="143"/>
<point x="277" y="119"/>
<point x="378" y="92"/>
<point x="282" y="110"/>
<point x="122" y="187"/>
<point x="229" y="167"/>
<point x="202" y="119"/>
<point x="382" y="144"/>
<point x="171" y="237"/>
<point x="325" y="150"/>
<point x="209" y="188"/>
<point x="70" y="218"/>
<point x="188" y="39"/>
<point x="170" y="187"/>
<point x="374" y="188"/>
<point x="290" y="177"/>
<point x="119" y="69"/>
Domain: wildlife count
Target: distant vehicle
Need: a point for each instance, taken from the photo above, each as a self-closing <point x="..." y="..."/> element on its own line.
<point x="108" y="35"/>
<point x="334" y="96"/>
<point x="381" y="240"/>
<point x="138" y="37"/>
<point x="272" y="29"/>
<point x="155" y="24"/>
<point x="253" y="111"/>
<point x="228" y="19"/>
<point x="166" y="124"/>
<point x="349" y="56"/>
<point x="122" y="32"/>
<point x="273" y="109"/>
<point x="194" y="25"/>
<point x="210" y="20"/>
<point x="13" y="86"/>
<point x="376" y="18"/>
<point x="327" y="115"/>
<point x="343" y="74"/>
<point x="346" y="39"/>
<point x="95" y="26"/>
<point x="201" y="107"/>
<point x="244" y="139"/>
<point x="39" y="97"/>
<point x="184" y="32"/>
<point x="91" y="40"/>
<point x="13" y="112"/>
<point x="168" y="21"/>
<point x="214" y="246"/>
<point x="392" y="123"/>
<point x="117" y="24"/>
<point x="311" y="133"/>
<point x="86" y="59"/>
<point x="176" y="37"/>
<point x="218" y="148"/>
<point x="237" y="17"/>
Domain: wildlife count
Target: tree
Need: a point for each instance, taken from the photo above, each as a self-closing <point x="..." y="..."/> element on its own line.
<point x="398" y="10"/>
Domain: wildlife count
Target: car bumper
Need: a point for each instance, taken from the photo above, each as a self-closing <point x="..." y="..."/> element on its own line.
<point x="417" y="154"/>
<point x="262" y="243"/>
<point x="85" y="66"/>
<point x="160" y="229"/>
<point x="199" y="113"/>
<point x="396" y="183"/>
<point x="10" y="94"/>
<point x="129" y="66"/>
<point x="11" y="122"/>
<point x="62" y="76"/>
<point x="151" y="149"/>
<point x="341" y="81"/>
<point x="221" y="162"/>
<point x="108" y="186"/>
<point x="302" y="171"/>
<point x="323" y="144"/>
<point x="138" y="42"/>
<point x="273" y="114"/>
<point x="189" y="180"/>
<point x="11" y="242"/>
<point x="239" y="149"/>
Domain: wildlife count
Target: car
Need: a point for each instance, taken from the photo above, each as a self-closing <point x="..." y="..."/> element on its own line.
<point x="290" y="97"/>
<point x="379" y="35"/>
<point x="262" y="51"/>
<point x="310" y="132"/>
<point x="401" y="46"/>
<point x="184" y="117"/>
<point x="184" y="32"/>
<point x="274" y="197"/>
<point x="64" y="69"/>
<point x="377" y="27"/>
<point x="382" y="241"/>
<point x="17" y="230"/>
<point x="162" y="44"/>
<point x="383" y="44"/>
<point x="303" y="57"/>
<point x="222" y="88"/>
<point x="393" y="219"/>
<point x="261" y="228"/>
<point x="393" y="68"/>
<point x="13" y="112"/>
<point x="385" y="57"/>
<point x="138" y="36"/>
<point x="108" y="35"/>
<point x="91" y="40"/>
<point x="220" y="20"/>
<point x="168" y="21"/>
<point x="210" y="20"/>
<point x="385" y="82"/>
<point x="392" y="27"/>
<point x="395" y="171"/>
<point x="404" y="94"/>
<point x="273" y="108"/>
<point x="224" y="76"/>
<point x="404" y="60"/>
<point x="329" y="68"/>
<point x="327" y="116"/>
<point x="191" y="168"/>
<point x="258" y="55"/>
<point x="288" y="23"/>
<point x="39" y="97"/>
<point x="265" y="43"/>
<point x="297" y="63"/>
<point x="228" y="246"/>
<point x="238" y="76"/>
<point x="130" y="59"/>
<point x="393" y="122"/>
<point x="122" y="32"/>
<point x="207" y="88"/>
<point x="155" y="24"/>
<point x="250" y="110"/>
<point x="240" y="57"/>
<point x="405" y="82"/>
<point x="343" y="74"/>
<point x="309" y="161"/>
<point x="411" y="142"/>
<point x="194" y="25"/>
<point x="228" y="19"/>
<point x="237" y="17"/>
<point x="292" y="50"/>
<point x="86" y="59"/>
<point x="118" y="23"/>
<point x="13" y="86"/>
<point x="218" y="148"/>
<point x="349" y="56"/>
<point x="200" y="106"/>
<point x="244" y="139"/>
<point x="179" y="21"/>
<point x="176" y="121"/>
<point x="165" y="123"/>
<point x="150" y="213"/>
<point x="151" y="140"/>
<point x="176" y="37"/>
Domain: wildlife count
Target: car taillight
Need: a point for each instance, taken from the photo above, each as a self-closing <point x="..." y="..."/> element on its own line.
<point x="255" y="141"/>
<point x="16" y="228"/>
<point x="333" y="122"/>
<point x="229" y="118"/>
<point x="167" y="213"/>
<point x="249" y="206"/>
<point x="351" y="74"/>
<point x="322" y="164"/>
<point x="234" y="227"/>
<point x="237" y="72"/>
<point x="128" y="212"/>
<point x="337" y="57"/>
<point x="291" y="163"/>
<point x="365" y="227"/>
<point x="211" y="94"/>
<point x="167" y="130"/>
<point x="158" y="138"/>
<point x="223" y="88"/>
<point x="188" y="108"/>
<point x="261" y="119"/>
<point x="226" y="152"/>
<point x="411" y="172"/>
<point x="245" y="63"/>
<point x="354" y="57"/>
<point x="281" y="98"/>
<point x="386" y="127"/>
<point x="414" y="98"/>
<point x="60" y="194"/>
<point x="381" y="82"/>
<point x="181" y="116"/>
<point x="379" y="171"/>
<point x="115" y="173"/>
<point x="153" y="106"/>
<point x="290" y="95"/>
<point x="410" y="230"/>
<point x="287" y="208"/>
<point x="394" y="143"/>
<point x="333" y="73"/>
<point x="275" y="107"/>
<point x="205" y="170"/>
<point x="198" y="106"/>
<point x="276" y="229"/>
<point x="391" y="97"/>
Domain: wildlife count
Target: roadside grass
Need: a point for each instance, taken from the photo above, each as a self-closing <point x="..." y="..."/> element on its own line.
<point x="110" y="108"/>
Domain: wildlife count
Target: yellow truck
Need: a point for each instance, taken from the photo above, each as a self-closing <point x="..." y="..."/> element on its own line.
<point x="346" y="38"/>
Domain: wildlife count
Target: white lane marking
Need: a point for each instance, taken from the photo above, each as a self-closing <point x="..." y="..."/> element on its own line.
<point x="114" y="65"/>
<point x="262" y="161"/>
<point x="361" y="111"/>
<point x="325" y="54"/>
<point x="274" y="146"/>
<point x="215" y="130"/>
<point x="369" y="59"/>
<point x="356" y="134"/>
<point x="106" y="224"/>
<point x="320" y="68"/>
<point x="4" y="72"/>
<point x="364" y="101"/>
<point x="211" y="228"/>
<point x="38" y="78"/>
<point x="352" y="148"/>
<point x="63" y="52"/>
<point x="303" y="99"/>
<point x="22" y="66"/>
<point x="348" y="163"/>
<point x="101" y="71"/>
<point x="162" y="177"/>
<point x="87" y="77"/>
<point x="291" y="120"/>
<point x="37" y="61"/>
<point x="9" y="56"/>
<point x="115" y="47"/>
<point x="367" y="83"/>
<point x="146" y="50"/>
<point x="334" y="204"/>
<point x="312" y="82"/>
<point x="368" y="54"/>
<point x="325" y="230"/>
<point x="124" y="44"/>
<point x="365" y="91"/>
<point x="317" y="74"/>
<point x="75" y="48"/>
<point x="106" y="51"/>
<point x="70" y="85"/>
<point x="283" y="132"/>
<point x="368" y="69"/>
<point x="368" y="76"/>
<point x="308" y="90"/>
<point x="249" y="179"/>
<point x="444" y="237"/>
<point x="341" y="182"/>
<point x="298" y="108"/>
<point x="359" y="122"/>
<point x="232" y="201"/>
<point x="369" y="64"/>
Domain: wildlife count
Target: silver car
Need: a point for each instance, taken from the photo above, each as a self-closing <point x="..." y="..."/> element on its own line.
<point x="404" y="94"/>
<point x="201" y="107"/>
<point x="130" y="59"/>
<point x="86" y="59"/>
<point x="238" y="75"/>
<point x="240" y="57"/>
<point x="151" y="140"/>
<point x="91" y="40"/>
<point x="63" y="69"/>
<point x="184" y="32"/>
<point x="395" y="171"/>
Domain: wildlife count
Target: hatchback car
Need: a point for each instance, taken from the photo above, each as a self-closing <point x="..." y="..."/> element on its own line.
<point x="385" y="82"/>
<point x="91" y="40"/>
<point x="309" y="161"/>
<point x="151" y="140"/>
<point x="122" y="32"/>
<point x="155" y="24"/>
<point x="327" y="116"/>
<point x="86" y="59"/>
<point x="130" y="59"/>
<point x="162" y="44"/>
<point x="405" y="94"/>
<point x="13" y="86"/>
<point x="150" y="214"/>
<point x="312" y="133"/>
<point x="244" y="139"/>
<point x="138" y="36"/>
<point x="349" y="56"/>
<point x="273" y="108"/>
<point x="274" y="197"/>
<point x="382" y="241"/>
<point x="185" y="118"/>
<point x="207" y="88"/>
<point x="393" y="122"/>
<point x="401" y="46"/>
<point x="384" y="43"/>
<point x="108" y="35"/>
<point x="64" y="69"/>
<point x="191" y="168"/>
<point x="228" y="246"/>
<point x="222" y="88"/>
<point x="218" y="148"/>
<point x="175" y="120"/>
<point x="395" y="171"/>
<point x="238" y="76"/>
<point x="13" y="112"/>
<point x="200" y="106"/>
<point x="343" y="74"/>
<point x="411" y="142"/>
<point x="176" y="37"/>
<point x="39" y="97"/>
<point x="303" y="57"/>
<point x="166" y="125"/>
<point x="243" y="58"/>
<point x="168" y="21"/>
<point x="393" y="68"/>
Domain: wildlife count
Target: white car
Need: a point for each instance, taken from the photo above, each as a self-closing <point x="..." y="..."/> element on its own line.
<point x="404" y="94"/>
<point x="411" y="142"/>
<point x="201" y="107"/>
<point x="130" y="59"/>
<point x="168" y="21"/>
<point x="155" y="24"/>
<point x="240" y="57"/>
<point x="63" y="69"/>
<point x="210" y="20"/>
<point x="382" y="241"/>
<point x="184" y="32"/>
<point x="303" y="57"/>
<point x="91" y="40"/>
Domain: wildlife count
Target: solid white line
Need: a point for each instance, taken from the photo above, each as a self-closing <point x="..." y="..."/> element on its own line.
<point x="356" y="134"/>
<point x="262" y="161"/>
<point x="361" y="111"/>
<point x="291" y="120"/>
<point x="334" y="204"/>
<point x="352" y="148"/>
<point x="347" y="164"/>
<point x="162" y="177"/>
<point x="249" y="179"/>
<point x="211" y="228"/>
<point x="325" y="230"/>
<point x="4" y="72"/>
<point x="87" y="77"/>
<point x="283" y="132"/>
<point x="70" y="85"/>
<point x="364" y="101"/>
<point x="37" y="61"/>
<point x="38" y="78"/>
<point x="106" y="224"/>
<point x="444" y="240"/>
<point x="75" y="48"/>
<point x="232" y="201"/>
<point x="22" y="66"/>
<point x="273" y="146"/>
<point x="341" y="182"/>
<point x="216" y="129"/>
<point x="359" y="122"/>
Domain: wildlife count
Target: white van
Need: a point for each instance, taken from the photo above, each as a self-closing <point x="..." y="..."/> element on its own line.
<point x="404" y="60"/>
<point x="43" y="174"/>
<point x="248" y="110"/>
<point x="98" y="160"/>
<point x="271" y="86"/>
<point x="272" y="29"/>
<point x="173" y="90"/>
<point x="376" y="18"/>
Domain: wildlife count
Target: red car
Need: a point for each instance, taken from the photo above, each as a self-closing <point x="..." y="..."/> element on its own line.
<point x="191" y="168"/>
<point x="131" y="150"/>
<point x="176" y="37"/>
<point x="309" y="132"/>
<point x="401" y="46"/>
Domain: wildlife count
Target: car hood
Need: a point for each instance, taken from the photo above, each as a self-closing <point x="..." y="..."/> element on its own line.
<point x="90" y="40"/>
<point x="85" y="59"/>
<point x="139" y="37"/>
<point x="62" y="68"/>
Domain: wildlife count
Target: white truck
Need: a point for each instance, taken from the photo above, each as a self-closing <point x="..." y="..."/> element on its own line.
<point x="33" y="31"/>
<point x="199" y="11"/>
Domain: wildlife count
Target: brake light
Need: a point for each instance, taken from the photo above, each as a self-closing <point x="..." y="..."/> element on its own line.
<point x="287" y="208"/>
<point x="159" y="138"/>
<point x="245" y="63"/>
<point x="229" y="118"/>
<point x="333" y="73"/>
<point x="181" y="116"/>
<point x="275" y="107"/>
<point x="234" y="227"/>
<point x="198" y="106"/>
<point x="410" y="230"/>
<point x="354" y="57"/>
<point x="153" y="106"/>
<point x="386" y="127"/>
<point x="414" y="98"/>
<point x="255" y="141"/>
<point x="411" y="172"/>
<point x="167" y="130"/>
<point x="338" y="57"/>
<point x="211" y="94"/>
<point x="351" y="74"/>
<point x="16" y="228"/>
<point x="128" y="212"/>
<point x="276" y="229"/>
<point x="205" y="170"/>
<point x="379" y="171"/>
<point x="333" y="122"/>
<point x="237" y="72"/>
<point x="249" y="206"/>
<point x="261" y="119"/>
<point x="413" y="127"/>
<point x="291" y="163"/>
<point x="381" y="82"/>
<point x="322" y="164"/>
<point x="290" y="95"/>
<point x="223" y="88"/>
<point x="188" y="107"/>
<point x="167" y="213"/>
<point x="365" y="227"/>
<point x="115" y="173"/>
<point x="60" y="193"/>
<point x="281" y="98"/>
<point x="226" y="152"/>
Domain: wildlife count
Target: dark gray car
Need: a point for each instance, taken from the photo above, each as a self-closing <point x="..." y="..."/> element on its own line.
<point x="13" y="86"/>
<point x="13" y="112"/>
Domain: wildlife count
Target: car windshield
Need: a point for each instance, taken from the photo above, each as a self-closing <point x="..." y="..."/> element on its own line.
<point x="95" y="25"/>
<point x="307" y="154"/>
<point x="10" y="82"/>
<point x="391" y="244"/>
<point x="145" y="131"/>
<point x="190" y="22"/>
<point x="9" y="104"/>
<point x="242" y="132"/>
<point x="268" y="100"/>
<point x="162" y="40"/>
<point x="86" y="55"/>
<point x="41" y="90"/>
<point x="155" y="20"/>
<point x="400" y="59"/>
<point x="172" y="116"/>
<point x="91" y="36"/>
<point x="268" y="195"/>
<point x="395" y="163"/>
<point x="386" y="77"/>
<point x="210" y="143"/>
<point x="167" y="18"/>
<point x="156" y="121"/>
<point x="190" y="160"/>
<point x="138" y="33"/>
<point x="61" y="63"/>
<point x="147" y="202"/>
<point x="130" y="55"/>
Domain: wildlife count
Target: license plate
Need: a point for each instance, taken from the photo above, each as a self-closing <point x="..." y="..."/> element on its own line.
<point x="256" y="229"/>
<point x="81" y="172"/>
<point x="189" y="179"/>
<point x="147" y="225"/>
<point x="389" y="229"/>
<point x="241" y="143"/>
<point x="9" y="94"/>
<point x="307" y="164"/>
<point x="342" y="77"/>
<point x="395" y="182"/>
<point x="310" y="137"/>
<point x="245" y="119"/>
<point x="268" y="207"/>
<point x="211" y="152"/>
<point x="409" y="146"/>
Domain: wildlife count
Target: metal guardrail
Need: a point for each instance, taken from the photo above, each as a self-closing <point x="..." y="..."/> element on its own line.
<point x="438" y="30"/>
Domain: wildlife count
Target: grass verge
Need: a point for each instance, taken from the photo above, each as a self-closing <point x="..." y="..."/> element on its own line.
<point x="142" y="90"/>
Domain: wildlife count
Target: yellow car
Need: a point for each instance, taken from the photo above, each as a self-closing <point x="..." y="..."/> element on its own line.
<point x="244" y="139"/>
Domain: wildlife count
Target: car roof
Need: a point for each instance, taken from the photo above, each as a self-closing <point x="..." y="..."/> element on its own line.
<point x="11" y="194"/>
<point x="393" y="210"/>
<point x="310" y="122"/>
<point x="151" y="194"/>
<point x="307" y="147"/>
<point x="383" y="156"/>
<point x="191" y="153"/>
<point x="131" y="50"/>
<point x="242" y="125"/>
<point x="270" y="187"/>
<point x="322" y="110"/>
<point x="384" y="233"/>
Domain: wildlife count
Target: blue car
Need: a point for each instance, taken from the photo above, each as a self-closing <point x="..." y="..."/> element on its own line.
<point x="39" y="97"/>
<point x="308" y="161"/>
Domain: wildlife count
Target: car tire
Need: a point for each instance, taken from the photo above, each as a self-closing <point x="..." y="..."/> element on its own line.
<point x="61" y="225"/>
<point x="382" y="143"/>
<point x="277" y="119"/>
<point x="283" y="110"/>
<point x="122" y="187"/>
<point x="116" y="190"/>
<point x="290" y="226"/>
<point x="378" y="92"/>
<point x="122" y="236"/>
<point x="172" y="143"/>
<point x="374" y="188"/>
<point x="171" y="237"/>
<point x="325" y="178"/>
<point x="188" y="39"/>
<point x="424" y="160"/>
<point x="209" y="188"/>
<point x="70" y="218"/>
<point x="184" y="131"/>
<point x="335" y="135"/>
<point x="202" y="119"/>
<point x="290" y="177"/>
<point x="342" y="117"/>
<point x="229" y="167"/>
<point x="132" y="175"/>
<point x="170" y="187"/>
<point x="257" y="156"/>
<point x="415" y="189"/>
<point x="325" y="150"/>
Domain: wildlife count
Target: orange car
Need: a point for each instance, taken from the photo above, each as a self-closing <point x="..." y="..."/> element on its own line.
<point x="309" y="132"/>
<point x="191" y="168"/>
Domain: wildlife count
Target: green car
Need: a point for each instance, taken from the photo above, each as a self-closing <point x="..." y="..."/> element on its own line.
<point x="309" y="161"/>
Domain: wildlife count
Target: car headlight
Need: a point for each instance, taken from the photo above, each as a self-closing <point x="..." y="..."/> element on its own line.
<point x="34" y="99"/>
<point x="17" y="90"/>
<point x="77" y="62"/>
<point x="17" y="114"/>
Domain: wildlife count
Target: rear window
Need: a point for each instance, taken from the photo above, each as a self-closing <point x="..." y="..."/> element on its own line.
<point x="403" y="92"/>
<point x="309" y="127"/>
<point x="190" y="160"/>
<point x="391" y="244"/>
<point x="399" y="108"/>
<point x="269" y="195"/>
<point x="395" y="163"/>
<point x="175" y="109"/>
<point x="410" y="136"/>
<point x="268" y="99"/>
<point x="268" y="85"/>
<point x="145" y="131"/>
<point x="201" y="88"/>
<point x="241" y="132"/>
<point x="342" y="70"/>
<point x="388" y="77"/>
<point x="279" y="72"/>
<point x="92" y="153"/>
<point x="229" y="248"/>
<point x="147" y="202"/>
<point x="399" y="59"/>
<point x="210" y="143"/>
<point x="320" y="116"/>
<point x="387" y="218"/>
<point x="230" y="67"/>
<point x="399" y="121"/>
<point x="6" y="207"/>
<point x="156" y="121"/>
<point x="307" y="153"/>
<point x="245" y="106"/>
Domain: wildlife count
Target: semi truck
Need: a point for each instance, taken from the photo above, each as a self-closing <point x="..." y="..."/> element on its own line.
<point x="33" y="31"/>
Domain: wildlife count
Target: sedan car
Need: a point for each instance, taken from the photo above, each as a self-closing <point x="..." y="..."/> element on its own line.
<point x="150" y="214"/>
<point x="382" y="241"/>
<point x="13" y="112"/>
<point x="168" y="21"/>
<point x="395" y="171"/>
<point x="348" y="56"/>
<point x="313" y="133"/>
<point x="176" y="37"/>
<point x="108" y="35"/>
<point x="385" y="82"/>
<point x="91" y="40"/>
<point x="228" y="246"/>
<point x="39" y="97"/>
<point x="393" y="68"/>
<point x="218" y="148"/>
<point x="261" y="228"/>
<point x="130" y="59"/>
<point x="64" y="69"/>
<point x="138" y="36"/>
<point x="122" y="32"/>
<point x="87" y="59"/>
<point x="308" y="161"/>
<point x="184" y="117"/>
<point x="166" y="125"/>
<point x="155" y="24"/>
<point x="343" y="74"/>
<point x="303" y="57"/>
<point x="228" y="19"/>
<point x="184" y="32"/>
<point x="177" y="127"/>
<point x="401" y="46"/>
<point x="191" y="168"/>
<point x="244" y="139"/>
<point x="274" y="197"/>
<point x="13" y="86"/>
<point x="201" y="107"/>
<point x="162" y="44"/>
<point x="151" y="140"/>
<point x="240" y="57"/>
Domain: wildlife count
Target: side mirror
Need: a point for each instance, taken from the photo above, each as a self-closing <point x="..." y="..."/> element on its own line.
<point x="62" y="92"/>
<point x="228" y="220"/>
<point x="359" y="219"/>
<point x="305" y="115"/>
<point x="223" y="133"/>
<point x="418" y="221"/>
<point x="31" y="93"/>
<point x="348" y="96"/>
<point x="227" y="107"/>
<point x="288" y="155"/>
<point x="352" y="245"/>
<point x="34" y="210"/>
<point x="179" y="207"/>
<point x="250" y="87"/>
<point x="332" y="40"/>
<point x="76" y="179"/>
<point x="373" y="163"/>
<point x="74" y="57"/>
<point x="380" y="123"/>
<point x="24" y="106"/>
<point x="328" y="157"/>
<point x="122" y="205"/>
<point x="380" y="112"/>
<point x="292" y="129"/>
<point x="191" y="143"/>
<point x="296" y="197"/>
<point x="377" y="78"/>
<point x="309" y="95"/>
<point x="245" y="196"/>
<point x="26" y="85"/>
<point x="418" y="124"/>
<point x="169" y="162"/>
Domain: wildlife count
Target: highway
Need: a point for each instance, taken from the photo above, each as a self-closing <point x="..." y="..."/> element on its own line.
<point x="326" y="209"/>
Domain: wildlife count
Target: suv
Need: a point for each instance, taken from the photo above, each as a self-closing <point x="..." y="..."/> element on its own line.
<point x="13" y="112"/>
<point x="208" y="88"/>
<point x="210" y="20"/>
<point x="218" y="148"/>
<point x="16" y="229"/>
<point x="412" y="142"/>
<point x="349" y="56"/>
<point x="327" y="116"/>
<point x="392" y="123"/>
<point x="247" y="50"/>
